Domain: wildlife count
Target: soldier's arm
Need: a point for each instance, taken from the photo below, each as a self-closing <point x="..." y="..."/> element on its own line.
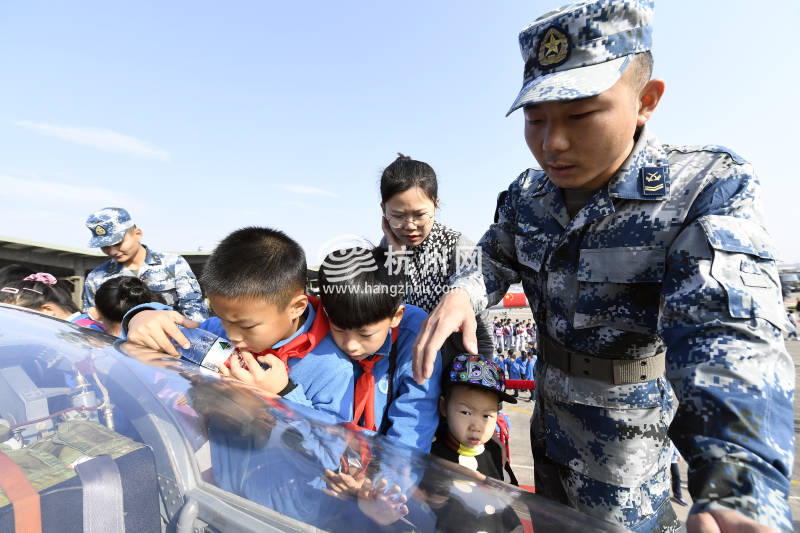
<point x="88" y="293"/>
<point x="473" y="288"/>
<point x="190" y="297"/>
<point x="486" y="281"/>
<point x="721" y="320"/>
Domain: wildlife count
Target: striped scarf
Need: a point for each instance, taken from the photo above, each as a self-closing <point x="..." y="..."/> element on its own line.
<point x="429" y="266"/>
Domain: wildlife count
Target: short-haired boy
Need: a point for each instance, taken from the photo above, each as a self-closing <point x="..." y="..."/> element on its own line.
<point x="472" y="394"/>
<point x="169" y="275"/>
<point x="507" y="330"/>
<point x="369" y="323"/>
<point x="499" y="360"/>
<point x="255" y="280"/>
<point x="498" y="334"/>
<point x="512" y="368"/>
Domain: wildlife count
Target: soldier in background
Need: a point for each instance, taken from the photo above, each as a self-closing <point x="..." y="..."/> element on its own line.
<point x="648" y="270"/>
<point x="169" y="275"/>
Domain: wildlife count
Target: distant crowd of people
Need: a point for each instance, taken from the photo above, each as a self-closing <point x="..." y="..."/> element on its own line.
<point x="519" y="335"/>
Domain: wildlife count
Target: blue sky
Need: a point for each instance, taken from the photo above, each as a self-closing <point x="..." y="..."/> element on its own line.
<point x="202" y="117"/>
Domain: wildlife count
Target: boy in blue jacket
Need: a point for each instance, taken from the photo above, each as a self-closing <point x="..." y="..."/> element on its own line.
<point x="369" y="323"/>
<point x="512" y="368"/>
<point x="255" y="280"/>
<point x="526" y="369"/>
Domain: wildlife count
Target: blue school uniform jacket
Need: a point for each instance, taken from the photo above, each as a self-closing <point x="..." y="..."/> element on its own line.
<point x="413" y="415"/>
<point x="531" y="364"/>
<point x="522" y="367"/>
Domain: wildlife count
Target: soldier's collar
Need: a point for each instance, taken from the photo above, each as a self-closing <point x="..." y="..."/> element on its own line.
<point x="645" y="174"/>
<point x="543" y="185"/>
<point x="152" y="258"/>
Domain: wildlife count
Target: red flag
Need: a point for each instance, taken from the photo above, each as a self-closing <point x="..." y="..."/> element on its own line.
<point x="514" y="299"/>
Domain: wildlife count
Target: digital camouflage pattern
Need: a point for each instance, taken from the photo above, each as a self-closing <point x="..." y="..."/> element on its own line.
<point x="670" y="255"/>
<point x="167" y="274"/>
<point x="582" y="49"/>
<point x="108" y="226"/>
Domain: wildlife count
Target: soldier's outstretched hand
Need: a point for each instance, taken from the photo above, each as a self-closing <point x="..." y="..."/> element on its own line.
<point x="454" y="313"/>
<point x="154" y="329"/>
<point x="724" y="521"/>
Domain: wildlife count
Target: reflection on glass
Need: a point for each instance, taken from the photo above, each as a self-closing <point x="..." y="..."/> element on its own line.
<point x="72" y="396"/>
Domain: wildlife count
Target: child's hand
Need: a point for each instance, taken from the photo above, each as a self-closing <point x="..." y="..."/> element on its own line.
<point x="391" y="238"/>
<point x="341" y="484"/>
<point x="271" y="380"/>
<point x="382" y="506"/>
<point x="154" y="329"/>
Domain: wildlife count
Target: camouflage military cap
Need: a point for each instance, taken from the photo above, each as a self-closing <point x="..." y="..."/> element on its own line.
<point x="108" y="226"/>
<point x="582" y="49"/>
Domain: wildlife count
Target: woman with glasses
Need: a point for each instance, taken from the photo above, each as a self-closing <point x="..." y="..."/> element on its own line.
<point x="426" y="251"/>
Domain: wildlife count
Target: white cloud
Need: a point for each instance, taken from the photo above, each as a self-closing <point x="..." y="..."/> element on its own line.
<point x="41" y="192"/>
<point x="101" y="138"/>
<point x="309" y="191"/>
<point x="53" y="212"/>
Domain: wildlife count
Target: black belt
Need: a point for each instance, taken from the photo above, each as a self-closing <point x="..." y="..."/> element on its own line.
<point x="614" y="371"/>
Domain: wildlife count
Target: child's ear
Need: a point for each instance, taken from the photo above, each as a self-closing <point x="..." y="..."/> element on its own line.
<point x="48" y="309"/>
<point x="398" y="316"/>
<point x="297" y="306"/>
<point x="93" y="314"/>
<point x="442" y="407"/>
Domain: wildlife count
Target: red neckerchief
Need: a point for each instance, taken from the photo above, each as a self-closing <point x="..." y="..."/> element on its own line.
<point x="364" y="451"/>
<point x="364" y="403"/>
<point x="305" y="342"/>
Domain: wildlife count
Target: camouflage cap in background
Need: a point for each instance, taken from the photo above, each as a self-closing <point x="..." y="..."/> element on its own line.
<point x="476" y="371"/>
<point x="108" y="226"/>
<point x="582" y="49"/>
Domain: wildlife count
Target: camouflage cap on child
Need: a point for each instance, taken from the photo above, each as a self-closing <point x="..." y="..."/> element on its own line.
<point x="475" y="371"/>
<point x="582" y="49"/>
<point x="108" y="226"/>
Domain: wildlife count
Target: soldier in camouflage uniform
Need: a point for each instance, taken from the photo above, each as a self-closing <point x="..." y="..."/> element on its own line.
<point x="654" y="285"/>
<point x="170" y="275"/>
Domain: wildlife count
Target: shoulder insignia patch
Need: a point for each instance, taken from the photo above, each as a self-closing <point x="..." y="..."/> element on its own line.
<point x="653" y="181"/>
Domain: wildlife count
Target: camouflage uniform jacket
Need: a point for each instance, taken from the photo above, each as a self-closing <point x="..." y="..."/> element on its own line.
<point x="687" y="268"/>
<point x="167" y="274"/>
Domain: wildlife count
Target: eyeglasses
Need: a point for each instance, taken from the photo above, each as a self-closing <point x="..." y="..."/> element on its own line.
<point x="417" y="220"/>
